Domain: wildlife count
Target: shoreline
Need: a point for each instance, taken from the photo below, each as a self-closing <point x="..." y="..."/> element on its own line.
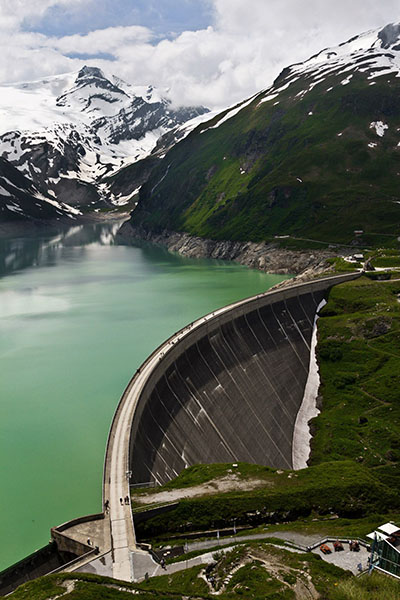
<point x="263" y="256"/>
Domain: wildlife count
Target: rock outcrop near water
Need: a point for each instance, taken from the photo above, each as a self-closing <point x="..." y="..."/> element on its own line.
<point x="263" y="256"/>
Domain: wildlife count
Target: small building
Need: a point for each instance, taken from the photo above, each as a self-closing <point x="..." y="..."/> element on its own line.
<point x="358" y="231"/>
<point x="385" y="550"/>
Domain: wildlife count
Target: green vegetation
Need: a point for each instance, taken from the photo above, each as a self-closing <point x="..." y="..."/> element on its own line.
<point x="359" y="358"/>
<point x="345" y="487"/>
<point x="375" y="587"/>
<point x="329" y="526"/>
<point x="39" y="589"/>
<point x="300" y="166"/>
<point x="84" y="586"/>
<point x="183" y="582"/>
<point x="198" y="474"/>
<point x="392" y="260"/>
<point x="343" y="266"/>
<point x="255" y="571"/>
<point x="261" y="571"/>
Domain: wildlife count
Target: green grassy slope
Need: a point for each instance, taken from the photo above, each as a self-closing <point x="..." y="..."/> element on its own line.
<point x="359" y="358"/>
<point x="256" y="571"/>
<point x="241" y="180"/>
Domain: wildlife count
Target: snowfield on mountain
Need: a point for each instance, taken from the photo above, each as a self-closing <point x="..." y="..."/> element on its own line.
<point x="66" y="133"/>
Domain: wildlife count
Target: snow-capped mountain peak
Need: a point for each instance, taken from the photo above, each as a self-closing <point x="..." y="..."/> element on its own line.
<point x="372" y="54"/>
<point x="66" y="132"/>
<point x="94" y="94"/>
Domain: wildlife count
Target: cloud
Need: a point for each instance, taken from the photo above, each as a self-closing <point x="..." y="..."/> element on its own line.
<point x="108" y="40"/>
<point x="245" y="47"/>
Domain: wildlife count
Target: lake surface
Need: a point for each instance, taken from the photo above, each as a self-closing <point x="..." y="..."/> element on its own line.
<point x="78" y="315"/>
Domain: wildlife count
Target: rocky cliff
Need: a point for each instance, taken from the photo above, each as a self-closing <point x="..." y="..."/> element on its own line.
<point x="263" y="256"/>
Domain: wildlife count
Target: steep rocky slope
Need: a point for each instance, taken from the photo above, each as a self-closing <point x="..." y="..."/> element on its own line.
<point x="19" y="197"/>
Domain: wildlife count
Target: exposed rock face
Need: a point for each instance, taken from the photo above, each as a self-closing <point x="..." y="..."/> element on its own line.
<point x="265" y="257"/>
<point x="389" y="35"/>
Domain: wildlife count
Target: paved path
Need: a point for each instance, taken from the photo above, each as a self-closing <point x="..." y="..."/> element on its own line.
<point x="153" y="569"/>
<point x="289" y="536"/>
<point x="346" y="560"/>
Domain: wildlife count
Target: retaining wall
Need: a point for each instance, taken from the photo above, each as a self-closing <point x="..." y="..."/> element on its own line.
<point x="41" y="562"/>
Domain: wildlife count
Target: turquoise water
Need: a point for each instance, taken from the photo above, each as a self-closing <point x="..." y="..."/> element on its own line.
<point x="78" y="315"/>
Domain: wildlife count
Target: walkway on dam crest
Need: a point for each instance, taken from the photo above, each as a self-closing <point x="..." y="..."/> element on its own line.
<point x="117" y="469"/>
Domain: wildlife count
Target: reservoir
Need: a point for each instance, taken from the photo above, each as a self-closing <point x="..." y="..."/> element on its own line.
<point x="78" y="315"/>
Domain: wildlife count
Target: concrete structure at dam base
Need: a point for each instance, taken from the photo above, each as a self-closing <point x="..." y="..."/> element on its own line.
<point x="227" y="387"/>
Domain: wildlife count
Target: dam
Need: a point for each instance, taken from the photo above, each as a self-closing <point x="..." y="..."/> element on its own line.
<point x="227" y="387"/>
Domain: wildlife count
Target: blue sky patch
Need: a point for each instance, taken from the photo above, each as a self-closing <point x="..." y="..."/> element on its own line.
<point x="166" y="18"/>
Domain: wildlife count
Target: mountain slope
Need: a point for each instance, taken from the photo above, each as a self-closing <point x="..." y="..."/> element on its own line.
<point x="19" y="197"/>
<point x="316" y="154"/>
<point x="67" y="132"/>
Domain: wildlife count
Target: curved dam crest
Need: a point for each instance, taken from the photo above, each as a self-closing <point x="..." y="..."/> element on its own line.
<point x="229" y="389"/>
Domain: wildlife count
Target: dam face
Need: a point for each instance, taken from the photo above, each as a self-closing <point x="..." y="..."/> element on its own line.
<point x="230" y="390"/>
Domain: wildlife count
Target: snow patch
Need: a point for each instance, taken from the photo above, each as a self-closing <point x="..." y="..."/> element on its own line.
<point x="347" y="80"/>
<point x="268" y="98"/>
<point x="231" y="113"/>
<point x="308" y="409"/>
<point x="14" y="208"/>
<point x="379" y="127"/>
<point x="122" y="200"/>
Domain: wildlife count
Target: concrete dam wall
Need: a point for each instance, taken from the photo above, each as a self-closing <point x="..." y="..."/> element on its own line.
<point x="230" y="388"/>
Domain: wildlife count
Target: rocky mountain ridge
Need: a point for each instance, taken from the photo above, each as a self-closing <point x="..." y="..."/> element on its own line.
<point x="19" y="196"/>
<point x="68" y="133"/>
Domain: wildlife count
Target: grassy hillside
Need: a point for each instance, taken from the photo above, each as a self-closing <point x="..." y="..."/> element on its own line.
<point x="359" y="358"/>
<point x="306" y="165"/>
<point x="257" y="571"/>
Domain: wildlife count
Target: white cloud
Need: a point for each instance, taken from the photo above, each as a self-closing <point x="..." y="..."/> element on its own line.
<point x="108" y="40"/>
<point x="242" y="52"/>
